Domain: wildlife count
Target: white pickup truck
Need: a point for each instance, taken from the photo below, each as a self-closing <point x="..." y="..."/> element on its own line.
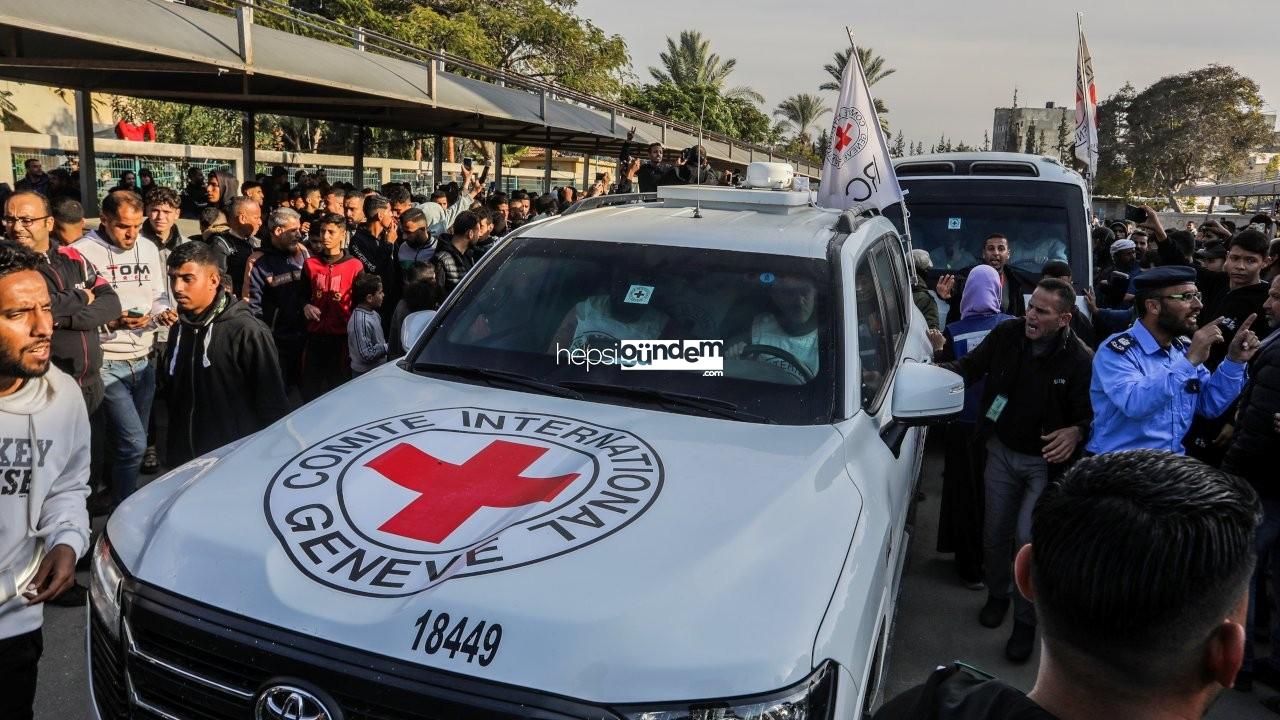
<point x="526" y="517"/>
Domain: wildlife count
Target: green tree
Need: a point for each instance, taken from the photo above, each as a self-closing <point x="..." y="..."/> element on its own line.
<point x="1197" y="125"/>
<point x="899" y="146"/>
<point x="801" y="111"/>
<point x="689" y="63"/>
<point x="873" y="66"/>
<point x="986" y="141"/>
<point x="733" y="116"/>
<point x="1066" y="143"/>
<point x="1114" y="176"/>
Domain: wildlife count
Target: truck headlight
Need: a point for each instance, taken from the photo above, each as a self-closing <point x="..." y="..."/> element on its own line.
<point x="811" y="699"/>
<point x="104" y="586"/>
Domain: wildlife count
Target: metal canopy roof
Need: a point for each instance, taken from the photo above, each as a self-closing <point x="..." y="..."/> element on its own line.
<point x="168" y="51"/>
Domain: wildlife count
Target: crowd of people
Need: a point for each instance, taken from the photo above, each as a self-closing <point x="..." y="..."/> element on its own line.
<point x="178" y="345"/>
<point x="1179" y="352"/>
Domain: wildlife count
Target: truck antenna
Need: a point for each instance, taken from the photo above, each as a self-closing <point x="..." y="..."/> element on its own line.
<point x="697" y="157"/>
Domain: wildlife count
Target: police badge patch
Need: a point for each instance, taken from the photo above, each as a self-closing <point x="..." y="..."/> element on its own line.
<point x="1120" y="343"/>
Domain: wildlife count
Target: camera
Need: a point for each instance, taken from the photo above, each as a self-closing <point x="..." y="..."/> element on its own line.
<point x="690" y="155"/>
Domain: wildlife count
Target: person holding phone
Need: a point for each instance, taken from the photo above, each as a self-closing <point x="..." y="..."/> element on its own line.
<point x="133" y="268"/>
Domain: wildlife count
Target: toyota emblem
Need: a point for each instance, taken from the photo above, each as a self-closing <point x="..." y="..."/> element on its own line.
<point x="288" y="702"/>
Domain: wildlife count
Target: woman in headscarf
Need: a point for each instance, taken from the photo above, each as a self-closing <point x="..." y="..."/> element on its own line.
<point x="960" y="517"/>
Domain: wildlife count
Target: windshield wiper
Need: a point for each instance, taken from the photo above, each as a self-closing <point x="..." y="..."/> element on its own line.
<point x="713" y="406"/>
<point x="498" y="376"/>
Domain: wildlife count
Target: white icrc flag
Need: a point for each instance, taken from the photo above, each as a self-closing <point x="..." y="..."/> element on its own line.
<point x="1086" y="145"/>
<point x="856" y="169"/>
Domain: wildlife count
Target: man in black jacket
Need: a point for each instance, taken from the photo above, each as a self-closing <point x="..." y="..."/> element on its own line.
<point x="220" y="363"/>
<point x="83" y="300"/>
<point x="995" y="252"/>
<point x="1035" y="417"/>
<point x="644" y="176"/>
<point x="274" y="290"/>
<point x="235" y="244"/>
<point x="1252" y="456"/>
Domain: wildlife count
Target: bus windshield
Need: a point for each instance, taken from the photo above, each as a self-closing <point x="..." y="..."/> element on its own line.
<point x="1043" y="221"/>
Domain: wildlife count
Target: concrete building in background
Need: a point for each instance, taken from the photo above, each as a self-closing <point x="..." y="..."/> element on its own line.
<point x="1032" y="130"/>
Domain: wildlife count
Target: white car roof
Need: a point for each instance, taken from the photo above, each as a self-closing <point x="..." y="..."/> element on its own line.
<point x="1049" y="169"/>
<point x="801" y="231"/>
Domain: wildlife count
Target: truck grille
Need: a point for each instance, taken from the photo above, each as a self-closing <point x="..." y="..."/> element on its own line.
<point x="186" y="661"/>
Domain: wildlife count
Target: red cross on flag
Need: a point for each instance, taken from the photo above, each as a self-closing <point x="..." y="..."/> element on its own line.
<point x="856" y="169"/>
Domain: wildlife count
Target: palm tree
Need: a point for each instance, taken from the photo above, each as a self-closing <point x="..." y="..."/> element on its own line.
<point x="801" y="111"/>
<point x="872" y="65"/>
<point x="689" y="63"/>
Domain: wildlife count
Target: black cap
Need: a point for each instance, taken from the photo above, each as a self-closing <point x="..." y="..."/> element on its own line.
<point x="1212" y="251"/>
<point x="1165" y="276"/>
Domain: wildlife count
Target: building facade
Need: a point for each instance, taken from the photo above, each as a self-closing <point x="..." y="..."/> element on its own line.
<point x="1032" y="130"/>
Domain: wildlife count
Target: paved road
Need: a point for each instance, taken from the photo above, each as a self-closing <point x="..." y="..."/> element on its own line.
<point x="936" y="622"/>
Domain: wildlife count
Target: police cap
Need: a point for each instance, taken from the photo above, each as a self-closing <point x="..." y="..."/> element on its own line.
<point x="1165" y="276"/>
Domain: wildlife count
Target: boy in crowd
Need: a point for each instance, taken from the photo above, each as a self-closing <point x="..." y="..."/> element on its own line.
<point x="365" y="342"/>
<point x="327" y="278"/>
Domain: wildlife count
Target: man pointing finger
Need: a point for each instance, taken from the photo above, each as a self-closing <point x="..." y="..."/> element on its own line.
<point x="1150" y="380"/>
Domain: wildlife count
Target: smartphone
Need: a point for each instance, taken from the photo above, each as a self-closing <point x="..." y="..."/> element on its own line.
<point x="136" y="313"/>
<point x="466" y="163"/>
<point x="1135" y="213"/>
<point x="600" y="177"/>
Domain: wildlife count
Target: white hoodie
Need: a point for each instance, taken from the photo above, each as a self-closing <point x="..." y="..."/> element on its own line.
<point x="140" y="281"/>
<point x="44" y="484"/>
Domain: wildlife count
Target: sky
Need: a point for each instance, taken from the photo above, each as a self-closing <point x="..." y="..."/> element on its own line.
<point x="956" y="61"/>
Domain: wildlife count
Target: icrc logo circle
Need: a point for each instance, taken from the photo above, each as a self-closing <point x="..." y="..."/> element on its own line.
<point x="849" y="135"/>
<point x="393" y="506"/>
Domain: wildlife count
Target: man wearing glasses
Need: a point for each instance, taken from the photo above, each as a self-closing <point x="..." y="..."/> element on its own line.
<point x="83" y="300"/>
<point x="1150" y="381"/>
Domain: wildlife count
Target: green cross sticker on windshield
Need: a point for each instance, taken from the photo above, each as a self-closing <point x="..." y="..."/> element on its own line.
<point x="640" y="294"/>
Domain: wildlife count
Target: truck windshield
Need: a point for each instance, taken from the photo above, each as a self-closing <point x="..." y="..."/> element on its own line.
<point x="597" y="318"/>
<point x="1043" y="221"/>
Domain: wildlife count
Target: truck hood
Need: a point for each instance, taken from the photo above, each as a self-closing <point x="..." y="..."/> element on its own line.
<point x="630" y="555"/>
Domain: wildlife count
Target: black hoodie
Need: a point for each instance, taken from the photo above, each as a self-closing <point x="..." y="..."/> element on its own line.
<point x="224" y="380"/>
<point x="958" y="692"/>
<point x="76" y="349"/>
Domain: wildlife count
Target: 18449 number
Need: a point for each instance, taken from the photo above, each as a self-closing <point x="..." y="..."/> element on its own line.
<point x="438" y="632"/>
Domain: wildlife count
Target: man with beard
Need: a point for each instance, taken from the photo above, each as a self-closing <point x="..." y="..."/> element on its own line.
<point x="44" y="526"/>
<point x="791" y="329"/>
<point x="644" y="176"/>
<point x="222" y="355"/>
<point x="83" y="300"/>
<point x="995" y="252"/>
<point x="35" y="180"/>
<point x="1149" y="381"/>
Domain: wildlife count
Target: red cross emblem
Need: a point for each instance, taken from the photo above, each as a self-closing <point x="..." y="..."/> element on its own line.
<point x="842" y="137"/>
<point x="451" y="494"/>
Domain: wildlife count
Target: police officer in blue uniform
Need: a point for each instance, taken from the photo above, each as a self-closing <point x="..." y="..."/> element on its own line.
<point x="1150" y="380"/>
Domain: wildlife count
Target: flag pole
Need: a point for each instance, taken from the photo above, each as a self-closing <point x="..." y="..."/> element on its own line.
<point x="906" y="214"/>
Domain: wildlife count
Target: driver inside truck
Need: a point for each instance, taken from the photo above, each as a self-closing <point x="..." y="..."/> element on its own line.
<point x="786" y="335"/>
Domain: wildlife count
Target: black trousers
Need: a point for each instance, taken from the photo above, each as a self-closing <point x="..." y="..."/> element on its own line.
<point x="960" y="516"/>
<point x="325" y="365"/>
<point x="19" y="664"/>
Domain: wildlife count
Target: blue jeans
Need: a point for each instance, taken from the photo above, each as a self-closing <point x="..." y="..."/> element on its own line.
<point x="1268" y="544"/>
<point x="130" y="388"/>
